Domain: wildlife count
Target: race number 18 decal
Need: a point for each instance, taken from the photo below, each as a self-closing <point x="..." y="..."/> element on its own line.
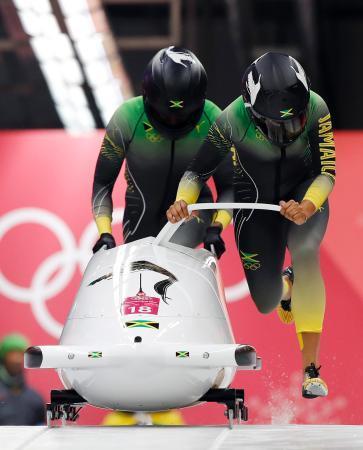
<point x="140" y="304"/>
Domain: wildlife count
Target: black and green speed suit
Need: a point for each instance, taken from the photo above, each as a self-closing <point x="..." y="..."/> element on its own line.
<point x="154" y="167"/>
<point x="266" y="173"/>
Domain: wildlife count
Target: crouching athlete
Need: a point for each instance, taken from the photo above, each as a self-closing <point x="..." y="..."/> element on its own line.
<point x="281" y="139"/>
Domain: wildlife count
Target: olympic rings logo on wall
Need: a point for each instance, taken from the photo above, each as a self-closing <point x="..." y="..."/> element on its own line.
<point x="63" y="264"/>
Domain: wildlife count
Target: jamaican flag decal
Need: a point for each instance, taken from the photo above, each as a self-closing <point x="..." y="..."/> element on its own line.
<point x="94" y="354"/>
<point x="142" y="324"/>
<point x="182" y="354"/>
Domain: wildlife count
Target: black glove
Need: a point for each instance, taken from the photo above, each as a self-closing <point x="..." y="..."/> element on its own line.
<point x="105" y="239"/>
<point x="213" y="237"/>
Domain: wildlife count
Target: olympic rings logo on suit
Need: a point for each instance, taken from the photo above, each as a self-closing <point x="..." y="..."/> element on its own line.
<point x="63" y="264"/>
<point x="251" y="266"/>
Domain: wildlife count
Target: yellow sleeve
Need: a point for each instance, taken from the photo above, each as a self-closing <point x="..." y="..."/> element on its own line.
<point x="103" y="224"/>
<point x="224" y="217"/>
<point x="319" y="190"/>
<point x="189" y="188"/>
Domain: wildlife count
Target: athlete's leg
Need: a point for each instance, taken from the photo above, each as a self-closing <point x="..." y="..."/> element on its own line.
<point x="261" y="242"/>
<point x="308" y="291"/>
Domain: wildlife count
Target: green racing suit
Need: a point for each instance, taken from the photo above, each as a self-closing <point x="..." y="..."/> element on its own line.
<point x="154" y="167"/>
<point x="266" y="173"/>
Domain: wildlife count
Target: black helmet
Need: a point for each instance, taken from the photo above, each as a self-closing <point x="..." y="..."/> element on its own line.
<point x="174" y="91"/>
<point x="277" y="91"/>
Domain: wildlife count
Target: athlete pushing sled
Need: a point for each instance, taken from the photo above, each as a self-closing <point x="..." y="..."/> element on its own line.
<point x="281" y="139"/>
<point x="157" y="135"/>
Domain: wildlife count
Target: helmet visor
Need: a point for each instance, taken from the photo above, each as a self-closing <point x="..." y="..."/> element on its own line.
<point x="281" y="132"/>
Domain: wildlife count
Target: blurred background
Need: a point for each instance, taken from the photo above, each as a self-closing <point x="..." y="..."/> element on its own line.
<point x="50" y="47"/>
<point x="65" y="66"/>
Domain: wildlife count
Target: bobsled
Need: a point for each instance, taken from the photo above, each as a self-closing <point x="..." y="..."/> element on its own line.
<point x="148" y="331"/>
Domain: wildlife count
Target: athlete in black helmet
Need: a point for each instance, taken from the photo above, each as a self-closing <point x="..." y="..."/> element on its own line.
<point x="158" y="134"/>
<point x="174" y="91"/>
<point x="276" y="91"/>
<point x="281" y="138"/>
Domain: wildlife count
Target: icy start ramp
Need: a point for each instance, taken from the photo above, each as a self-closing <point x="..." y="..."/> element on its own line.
<point x="246" y="437"/>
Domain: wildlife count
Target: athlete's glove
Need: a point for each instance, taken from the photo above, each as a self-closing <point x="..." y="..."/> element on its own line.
<point x="105" y="239"/>
<point x="213" y="238"/>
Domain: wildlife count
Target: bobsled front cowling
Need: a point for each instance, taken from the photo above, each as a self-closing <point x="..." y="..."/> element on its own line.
<point x="149" y="331"/>
<point x="138" y="294"/>
<point x="140" y="281"/>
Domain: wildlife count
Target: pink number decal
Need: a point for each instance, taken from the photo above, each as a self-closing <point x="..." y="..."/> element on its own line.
<point x="140" y="304"/>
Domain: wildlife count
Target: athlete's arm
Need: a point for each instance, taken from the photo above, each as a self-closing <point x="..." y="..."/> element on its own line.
<point x="321" y="141"/>
<point x="322" y="145"/>
<point x="108" y="167"/>
<point x="210" y="155"/>
<point x="223" y="179"/>
<point x="223" y="176"/>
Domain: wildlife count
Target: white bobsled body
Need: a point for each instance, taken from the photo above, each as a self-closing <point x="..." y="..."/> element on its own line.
<point x="105" y="316"/>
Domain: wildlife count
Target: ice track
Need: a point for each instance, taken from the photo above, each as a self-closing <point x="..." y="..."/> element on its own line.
<point x="246" y="437"/>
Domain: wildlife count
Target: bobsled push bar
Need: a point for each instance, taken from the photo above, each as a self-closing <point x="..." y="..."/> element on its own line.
<point x="169" y="229"/>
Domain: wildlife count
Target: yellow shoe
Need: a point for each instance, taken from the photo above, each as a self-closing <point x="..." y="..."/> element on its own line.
<point x="172" y="417"/>
<point x="313" y="386"/>
<point x="284" y="309"/>
<point x="117" y="418"/>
